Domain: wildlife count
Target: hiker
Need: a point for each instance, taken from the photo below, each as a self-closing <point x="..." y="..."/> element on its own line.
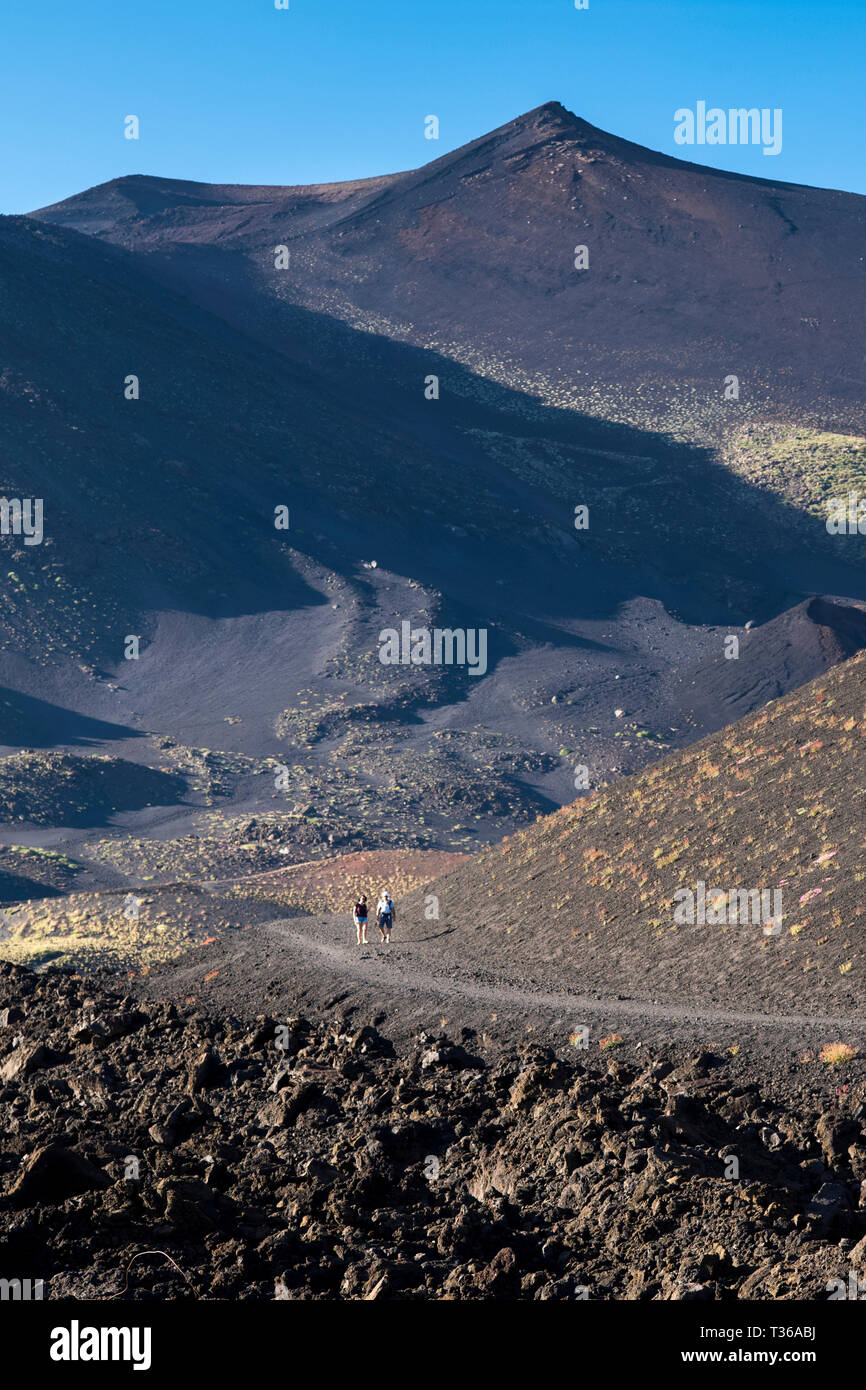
<point x="359" y="915"/>
<point x="385" y="914"/>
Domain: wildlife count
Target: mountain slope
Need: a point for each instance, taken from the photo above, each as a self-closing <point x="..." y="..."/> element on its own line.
<point x="588" y="895"/>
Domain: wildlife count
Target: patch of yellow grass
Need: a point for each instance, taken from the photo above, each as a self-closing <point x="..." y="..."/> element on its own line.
<point x="836" y="1054"/>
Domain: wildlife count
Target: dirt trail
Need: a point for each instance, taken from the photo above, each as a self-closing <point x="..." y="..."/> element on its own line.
<point x="317" y="955"/>
<point x="400" y="970"/>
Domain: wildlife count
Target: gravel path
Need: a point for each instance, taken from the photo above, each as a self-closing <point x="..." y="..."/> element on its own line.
<point x="313" y="965"/>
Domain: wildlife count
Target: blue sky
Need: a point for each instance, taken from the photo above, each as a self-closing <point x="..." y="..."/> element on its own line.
<point x="235" y="91"/>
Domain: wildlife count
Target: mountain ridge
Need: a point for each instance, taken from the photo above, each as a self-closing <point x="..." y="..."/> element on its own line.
<point x="694" y="273"/>
<point x="554" y="121"/>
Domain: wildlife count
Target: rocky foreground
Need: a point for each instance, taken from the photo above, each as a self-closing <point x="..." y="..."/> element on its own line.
<point x="153" y="1152"/>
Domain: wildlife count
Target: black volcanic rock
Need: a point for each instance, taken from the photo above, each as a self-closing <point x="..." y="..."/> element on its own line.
<point x="528" y="1177"/>
<point x="54" y="1173"/>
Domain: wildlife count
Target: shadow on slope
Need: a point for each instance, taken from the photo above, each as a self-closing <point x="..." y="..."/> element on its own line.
<point x="26" y="721"/>
<point x="79" y="789"/>
<point x="478" y="483"/>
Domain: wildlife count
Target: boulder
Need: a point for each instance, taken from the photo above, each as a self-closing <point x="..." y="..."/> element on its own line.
<point x="24" y="1060"/>
<point x="53" y="1173"/>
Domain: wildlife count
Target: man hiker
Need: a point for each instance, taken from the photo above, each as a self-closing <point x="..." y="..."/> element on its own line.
<point x="385" y="914"/>
<point x="359" y="914"/>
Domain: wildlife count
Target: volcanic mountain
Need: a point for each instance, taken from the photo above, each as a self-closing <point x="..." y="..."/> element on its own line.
<point x="693" y="274"/>
<point x="248" y="476"/>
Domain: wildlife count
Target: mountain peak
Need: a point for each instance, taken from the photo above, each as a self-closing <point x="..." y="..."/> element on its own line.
<point x="552" y="111"/>
<point x="552" y="119"/>
<point x="554" y="122"/>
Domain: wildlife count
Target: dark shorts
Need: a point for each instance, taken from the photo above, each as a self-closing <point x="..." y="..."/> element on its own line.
<point x="385" y="921"/>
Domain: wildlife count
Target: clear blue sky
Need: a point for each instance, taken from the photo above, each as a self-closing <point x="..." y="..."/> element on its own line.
<point x="235" y="91"/>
